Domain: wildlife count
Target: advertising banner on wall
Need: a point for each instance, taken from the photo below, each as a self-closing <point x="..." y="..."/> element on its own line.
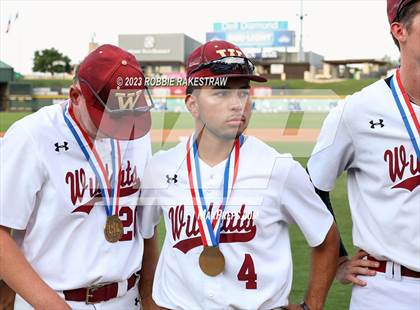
<point x="251" y="26"/>
<point x="259" y="39"/>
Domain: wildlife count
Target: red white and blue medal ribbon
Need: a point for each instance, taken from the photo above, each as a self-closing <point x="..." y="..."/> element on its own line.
<point x="208" y="224"/>
<point x="110" y="191"/>
<point x="406" y="110"/>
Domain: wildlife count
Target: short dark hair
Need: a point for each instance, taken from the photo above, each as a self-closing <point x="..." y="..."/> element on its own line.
<point x="190" y="89"/>
<point x="76" y="73"/>
<point x="406" y="16"/>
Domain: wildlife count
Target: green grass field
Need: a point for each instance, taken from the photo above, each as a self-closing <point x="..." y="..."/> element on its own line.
<point x="8" y="118"/>
<point x="184" y="121"/>
<point x="339" y="295"/>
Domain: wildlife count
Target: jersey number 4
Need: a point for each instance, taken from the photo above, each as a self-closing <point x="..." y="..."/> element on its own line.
<point x="247" y="273"/>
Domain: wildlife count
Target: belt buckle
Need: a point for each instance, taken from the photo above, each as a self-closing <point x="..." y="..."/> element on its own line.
<point x="89" y="293"/>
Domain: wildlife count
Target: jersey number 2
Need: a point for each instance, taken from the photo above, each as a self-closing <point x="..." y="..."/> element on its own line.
<point x="127" y="222"/>
<point x="247" y="273"/>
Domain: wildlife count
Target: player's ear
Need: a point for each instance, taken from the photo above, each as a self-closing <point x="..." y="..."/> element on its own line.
<point x="74" y="94"/>
<point x="191" y="103"/>
<point x="399" y="31"/>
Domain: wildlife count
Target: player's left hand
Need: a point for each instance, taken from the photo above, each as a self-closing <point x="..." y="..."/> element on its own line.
<point x="348" y="270"/>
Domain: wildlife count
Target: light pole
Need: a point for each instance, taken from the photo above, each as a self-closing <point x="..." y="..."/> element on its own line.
<point x="301" y="57"/>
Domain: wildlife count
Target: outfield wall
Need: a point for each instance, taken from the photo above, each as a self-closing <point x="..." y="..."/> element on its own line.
<point x="264" y="99"/>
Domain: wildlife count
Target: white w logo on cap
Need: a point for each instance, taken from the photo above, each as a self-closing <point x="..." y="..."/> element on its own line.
<point x="127" y="101"/>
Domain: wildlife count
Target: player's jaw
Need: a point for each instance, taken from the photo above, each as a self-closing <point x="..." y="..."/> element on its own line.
<point x="81" y="113"/>
<point x="236" y="125"/>
<point x="414" y="35"/>
<point x="226" y="133"/>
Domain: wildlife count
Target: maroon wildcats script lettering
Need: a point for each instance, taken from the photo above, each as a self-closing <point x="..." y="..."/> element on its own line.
<point x="130" y="183"/>
<point x="236" y="227"/>
<point x="399" y="162"/>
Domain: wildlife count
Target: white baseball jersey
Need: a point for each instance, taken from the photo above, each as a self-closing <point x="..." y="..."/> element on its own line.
<point x="366" y="136"/>
<point x="51" y="198"/>
<point x="271" y="192"/>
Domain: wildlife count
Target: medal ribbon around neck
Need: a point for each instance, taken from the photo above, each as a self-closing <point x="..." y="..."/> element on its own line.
<point x="210" y="229"/>
<point x="110" y="192"/>
<point x="406" y="110"/>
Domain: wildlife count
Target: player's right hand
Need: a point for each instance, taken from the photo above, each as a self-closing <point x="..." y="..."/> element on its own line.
<point x="348" y="270"/>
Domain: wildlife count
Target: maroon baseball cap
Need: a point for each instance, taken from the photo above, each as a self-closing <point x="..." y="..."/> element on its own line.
<point x="394" y="7"/>
<point x="117" y="101"/>
<point x="219" y="50"/>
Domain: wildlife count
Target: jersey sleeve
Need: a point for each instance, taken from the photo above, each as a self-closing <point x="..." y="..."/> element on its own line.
<point x="21" y="177"/>
<point x="333" y="152"/>
<point x="149" y="209"/>
<point x="303" y="206"/>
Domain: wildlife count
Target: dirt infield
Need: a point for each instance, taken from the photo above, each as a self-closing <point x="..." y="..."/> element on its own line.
<point x="268" y="135"/>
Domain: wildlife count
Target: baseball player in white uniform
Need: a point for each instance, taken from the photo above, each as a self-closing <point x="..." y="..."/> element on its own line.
<point x="227" y="200"/>
<point x="374" y="136"/>
<point x="69" y="188"/>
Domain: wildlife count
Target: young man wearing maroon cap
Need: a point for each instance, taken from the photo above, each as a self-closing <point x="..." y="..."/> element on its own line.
<point x="374" y="135"/>
<point x="227" y="200"/>
<point x="69" y="189"/>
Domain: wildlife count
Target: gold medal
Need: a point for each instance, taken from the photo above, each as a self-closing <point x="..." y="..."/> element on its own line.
<point x="212" y="261"/>
<point x="113" y="229"/>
